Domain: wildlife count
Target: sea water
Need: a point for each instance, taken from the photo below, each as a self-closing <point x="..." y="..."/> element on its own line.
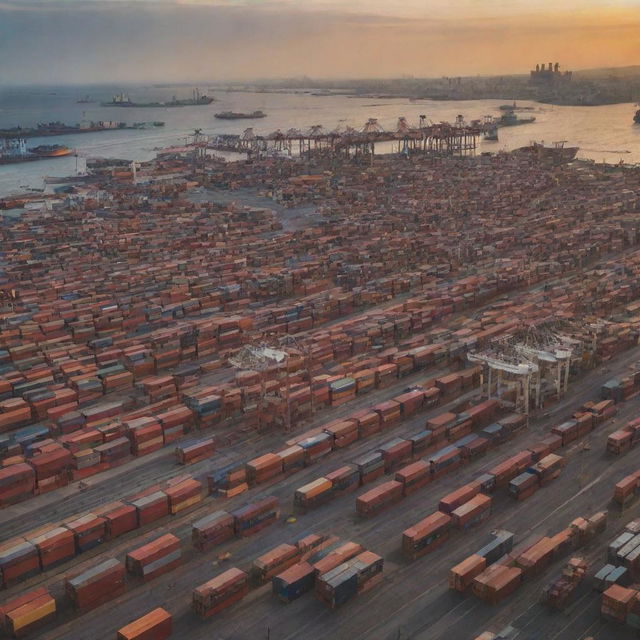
<point x="604" y="133"/>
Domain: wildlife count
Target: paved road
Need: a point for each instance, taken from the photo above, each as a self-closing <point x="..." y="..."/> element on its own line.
<point x="413" y="599"/>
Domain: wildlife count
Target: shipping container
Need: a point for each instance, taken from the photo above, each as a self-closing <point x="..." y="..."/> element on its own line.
<point x="293" y="582"/>
<point x="254" y="517"/>
<point x="313" y="494"/>
<point x="274" y="562"/>
<point x="154" y="558"/>
<point x="426" y="535"/>
<point x="461" y="576"/>
<point x="22" y="615"/>
<point x="339" y="585"/>
<point x="155" y="625"/>
<point x="92" y="587"/>
<point x="414" y="476"/>
<point x="473" y="512"/>
<point x="220" y="592"/>
<point x="382" y="497"/>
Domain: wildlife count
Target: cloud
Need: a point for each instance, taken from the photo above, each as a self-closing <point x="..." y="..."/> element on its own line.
<point x="207" y="40"/>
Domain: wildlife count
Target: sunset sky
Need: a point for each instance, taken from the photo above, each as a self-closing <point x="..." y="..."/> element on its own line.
<point x="53" y="41"/>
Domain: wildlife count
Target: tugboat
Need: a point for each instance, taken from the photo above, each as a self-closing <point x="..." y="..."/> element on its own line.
<point x="232" y="115"/>
<point x="510" y="119"/>
<point x="490" y="129"/>
<point x="491" y="134"/>
<point x="636" y="118"/>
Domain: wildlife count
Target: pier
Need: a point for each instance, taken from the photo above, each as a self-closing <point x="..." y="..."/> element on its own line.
<point x="441" y="138"/>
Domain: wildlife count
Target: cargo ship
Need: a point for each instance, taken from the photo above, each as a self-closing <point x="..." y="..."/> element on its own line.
<point x="514" y="107"/>
<point x="50" y="151"/>
<point x="60" y="128"/>
<point x="15" y="150"/>
<point x="123" y="100"/>
<point x="636" y="118"/>
<point x="558" y="154"/>
<point x="232" y="115"/>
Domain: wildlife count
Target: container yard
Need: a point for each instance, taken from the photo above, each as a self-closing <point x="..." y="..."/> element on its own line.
<point x="358" y="396"/>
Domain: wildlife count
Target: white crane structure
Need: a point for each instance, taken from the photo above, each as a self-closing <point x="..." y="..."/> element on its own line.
<point x="529" y="364"/>
<point x="282" y="354"/>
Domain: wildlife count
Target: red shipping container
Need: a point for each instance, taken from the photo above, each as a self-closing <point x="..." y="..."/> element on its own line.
<point x="155" y="625"/>
<point x="382" y="497"/>
<point x="121" y="519"/>
<point x="453" y="500"/>
<point x="155" y="558"/>
<point x="99" y="584"/>
<point x="151" y="507"/>
<point x="19" y="560"/>
<point x="55" y="546"/>
<point x="220" y="592"/>
<point x="51" y="464"/>
<point x="414" y="476"/>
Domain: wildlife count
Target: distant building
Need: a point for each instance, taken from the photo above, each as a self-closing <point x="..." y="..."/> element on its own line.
<point x="551" y="75"/>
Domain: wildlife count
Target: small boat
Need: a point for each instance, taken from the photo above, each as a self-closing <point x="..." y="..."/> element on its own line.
<point x="510" y="119"/>
<point x="490" y="127"/>
<point x="491" y="134"/>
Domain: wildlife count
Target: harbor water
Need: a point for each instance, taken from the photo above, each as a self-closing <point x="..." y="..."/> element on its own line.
<point x="604" y="134"/>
